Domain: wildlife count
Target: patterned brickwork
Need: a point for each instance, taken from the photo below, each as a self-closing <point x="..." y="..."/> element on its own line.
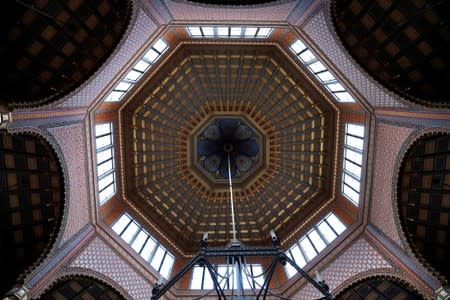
<point x="99" y="257"/>
<point x="186" y="11"/>
<point x="360" y="257"/>
<point x="389" y="142"/>
<point x="71" y="140"/>
<point x="135" y="39"/>
<point x="319" y="31"/>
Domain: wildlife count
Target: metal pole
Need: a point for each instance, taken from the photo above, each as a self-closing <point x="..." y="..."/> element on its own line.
<point x="232" y="202"/>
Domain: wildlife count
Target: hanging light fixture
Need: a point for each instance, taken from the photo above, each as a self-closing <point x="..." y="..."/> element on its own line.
<point x="236" y="253"/>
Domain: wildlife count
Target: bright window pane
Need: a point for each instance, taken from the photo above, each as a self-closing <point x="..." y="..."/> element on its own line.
<point x="335" y="87"/>
<point x="141" y="66"/>
<point x="105" y="181"/>
<point x="148" y="249"/>
<point x="114" y="96"/>
<point x="298" y="46"/>
<point x="222" y="270"/>
<point x="104" y="167"/>
<point x="160" y="46"/>
<point x="246" y="280"/>
<point x="316" y="240"/>
<point x="133" y="75"/>
<point x="264" y="32"/>
<point x="157" y="258"/>
<point x="208" y="283"/>
<point x="350" y="181"/>
<point x="235" y="31"/>
<point x="139" y="241"/>
<point x="103" y="141"/>
<point x="123" y="86"/>
<point x="196" y="279"/>
<point x="307" y="56"/>
<point x="194" y="31"/>
<point x="325" y="76"/>
<point x="101" y="129"/>
<point x="167" y="266"/>
<point x="327" y="232"/>
<point x="308" y="248"/>
<point x="354" y="196"/>
<point x="258" y="270"/>
<point x="151" y="55"/>
<point x="352" y="168"/>
<point x="297" y="256"/>
<point x="106" y="193"/>
<point x="129" y="233"/>
<point x="120" y="225"/>
<point x="104" y="155"/>
<point x="344" y="97"/>
<point x="222" y="31"/>
<point x="250" y="31"/>
<point x="354" y="142"/>
<point x="337" y="225"/>
<point x="353" y="156"/>
<point x="208" y="31"/>
<point x="354" y="129"/>
<point x="317" y="67"/>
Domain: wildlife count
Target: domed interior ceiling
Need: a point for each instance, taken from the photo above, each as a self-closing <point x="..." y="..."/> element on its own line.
<point x="49" y="47"/>
<point x="424" y="200"/>
<point x="402" y="44"/>
<point x="258" y="84"/>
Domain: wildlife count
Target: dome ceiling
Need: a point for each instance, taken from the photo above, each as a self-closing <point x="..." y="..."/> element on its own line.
<point x="49" y="48"/>
<point x="402" y="44"/>
<point x="203" y="86"/>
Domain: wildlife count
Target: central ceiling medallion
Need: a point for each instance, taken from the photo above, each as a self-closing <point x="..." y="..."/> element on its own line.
<point x="224" y="136"/>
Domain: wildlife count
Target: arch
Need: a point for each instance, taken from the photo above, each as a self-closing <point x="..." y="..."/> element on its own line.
<point x="51" y="47"/>
<point x="422" y="198"/>
<point x="32" y="203"/>
<point x="401" y="44"/>
<point x="379" y="283"/>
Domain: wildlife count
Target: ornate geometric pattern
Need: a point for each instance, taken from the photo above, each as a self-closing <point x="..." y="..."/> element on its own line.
<point x="389" y="142"/>
<point x="71" y="139"/>
<point x="319" y="31"/>
<point x="186" y="11"/>
<point x="424" y="199"/>
<point x="53" y="46"/>
<point x="403" y="44"/>
<point x="141" y="31"/>
<point x="98" y="256"/>
<point x="254" y="82"/>
<point x="358" y="258"/>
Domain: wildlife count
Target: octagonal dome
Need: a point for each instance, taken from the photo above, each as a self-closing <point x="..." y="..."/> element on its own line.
<point x="200" y="83"/>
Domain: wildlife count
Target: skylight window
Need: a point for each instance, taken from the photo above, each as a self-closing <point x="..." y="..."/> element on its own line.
<point x="315" y="66"/>
<point x="228" y="32"/>
<point x="105" y="161"/>
<point x="252" y="277"/>
<point x="317" y="239"/>
<point x="135" y="73"/>
<point x="353" y="149"/>
<point x="144" y="245"/>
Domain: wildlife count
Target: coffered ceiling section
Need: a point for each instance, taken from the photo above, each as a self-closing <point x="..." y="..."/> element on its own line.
<point x="292" y="129"/>
<point x="48" y="48"/>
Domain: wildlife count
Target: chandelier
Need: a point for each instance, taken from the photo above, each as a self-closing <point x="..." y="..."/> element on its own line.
<point x="236" y="253"/>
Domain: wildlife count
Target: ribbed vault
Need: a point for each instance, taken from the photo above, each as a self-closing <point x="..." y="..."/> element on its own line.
<point x="258" y="83"/>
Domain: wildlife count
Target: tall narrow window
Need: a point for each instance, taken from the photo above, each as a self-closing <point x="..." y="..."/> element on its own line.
<point x="317" y="239"/>
<point x="105" y="161"/>
<point x="316" y="67"/>
<point x="144" y="244"/>
<point x="353" y="154"/>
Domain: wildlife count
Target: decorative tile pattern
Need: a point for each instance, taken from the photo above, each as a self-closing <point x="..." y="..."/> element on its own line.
<point x="389" y="142"/>
<point x="99" y="257"/>
<point x="185" y="11"/>
<point x="319" y="31"/>
<point x="358" y="258"/>
<point x="71" y="140"/>
<point x="140" y="33"/>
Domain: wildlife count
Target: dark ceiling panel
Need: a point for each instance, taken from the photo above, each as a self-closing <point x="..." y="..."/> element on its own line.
<point x="49" y="48"/>
<point x="31" y="203"/>
<point x="403" y="44"/>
